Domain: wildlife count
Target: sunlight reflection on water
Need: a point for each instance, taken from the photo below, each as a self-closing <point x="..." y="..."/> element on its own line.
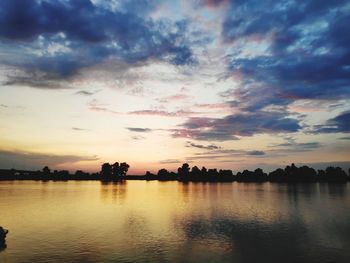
<point x="139" y="221"/>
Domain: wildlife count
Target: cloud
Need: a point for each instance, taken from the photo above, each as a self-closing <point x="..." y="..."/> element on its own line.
<point x="86" y="93"/>
<point x="307" y="145"/>
<point x="340" y="123"/>
<point x="162" y="113"/>
<point x="138" y="129"/>
<point x="94" y="105"/>
<point x="61" y="37"/>
<point x="345" y="138"/>
<point x="236" y="152"/>
<point x="225" y="154"/>
<point x="78" y="129"/>
<point x="240" y="124"/>
<point x="137" y="138"/>
<point x="213" y="3"/>
<point x="30" y="78"/>
<point x="30" y="160"/>
<point x="200" y="146"/>
<point x="304" y="51"/>
<point x="176" y="97"/>
<point x="169" y="161"/>
<point x="293" y="146"/>
<point x="256" y="153"/>
<point x="203" y="135"/>
<point x="275" y="149"/>
<point x="213" y="105"/>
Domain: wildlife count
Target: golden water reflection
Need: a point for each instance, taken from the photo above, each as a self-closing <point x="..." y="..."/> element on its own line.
<point x="140" y="221"/>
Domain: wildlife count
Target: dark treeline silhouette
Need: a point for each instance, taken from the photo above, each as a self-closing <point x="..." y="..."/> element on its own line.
<point x="118" y="171"/>
<point x="288" y="174"/>
<point x="46" y="174"/>
<point x="114" y="172"/>
<point x="108" y="172"/>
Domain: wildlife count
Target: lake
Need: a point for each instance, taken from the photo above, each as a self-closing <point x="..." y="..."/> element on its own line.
<point x="140" y="221"/>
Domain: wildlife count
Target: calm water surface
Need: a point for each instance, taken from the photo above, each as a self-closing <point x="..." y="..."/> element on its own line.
<point x="139" y="221"/>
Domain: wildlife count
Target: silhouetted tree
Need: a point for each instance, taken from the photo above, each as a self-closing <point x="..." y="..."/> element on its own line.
<point x="115" y="169"/>
<point x="114" y="172"/>
<point x="46" y="171"/>
<point x="226" y="175"/>
<point x="195" y="174"/>
<point x="321" y="175"/>
<point x="123" y="169"/>
<point x="335" y="174"/>
<point x="306" y="174"/>
<point x="277" y="176"/>
<point x="150" y="176"/>
<point x="294" y="174"/>
<point x="81" y="175"/>
<point x="163" y="173"/>
<point x="212" y="174"/>
<point x="106" y="171"/>
<point x="183" y="171"/>
<point x="204" y="171"/>
<point x="259" y="175"/>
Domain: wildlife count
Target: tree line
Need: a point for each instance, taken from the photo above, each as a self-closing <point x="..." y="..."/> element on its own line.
<point x="290" y="173"/>
<point x="109" y="172"/>
<point x="118" y="171"/>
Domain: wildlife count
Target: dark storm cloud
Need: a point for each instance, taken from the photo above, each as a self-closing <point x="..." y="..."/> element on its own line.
<point x="138" y="129"/>
<point x="89" y="34"/>
<point x="308" y="57"/>
<point x="340" y="123"/>
<point x="241" y="124"/>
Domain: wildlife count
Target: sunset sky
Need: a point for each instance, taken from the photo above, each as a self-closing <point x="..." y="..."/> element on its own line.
<point x="227" y="84"/>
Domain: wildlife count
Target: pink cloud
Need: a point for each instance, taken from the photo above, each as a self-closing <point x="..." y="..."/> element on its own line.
<point x="94" y="105"/>
<point x="213" y="3"/>
<point x="176" y="97"/>
<point x="178" y="113"/>
<point x="213" y="106"/>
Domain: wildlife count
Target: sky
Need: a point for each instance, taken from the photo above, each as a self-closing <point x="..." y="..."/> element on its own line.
<point x="215" y="83"/>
